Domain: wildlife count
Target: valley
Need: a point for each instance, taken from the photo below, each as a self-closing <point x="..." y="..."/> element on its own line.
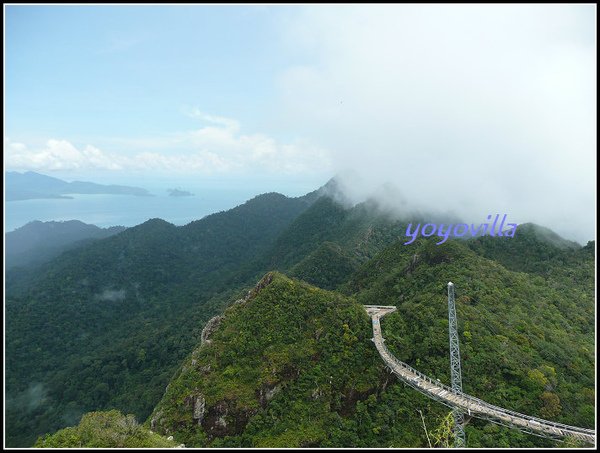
<point x="526" y="334"/>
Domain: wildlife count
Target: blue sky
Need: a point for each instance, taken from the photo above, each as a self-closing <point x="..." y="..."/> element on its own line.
<point x="119" y="78"/>
<point x="135" y="69"/>
<point x="502" y="95"/>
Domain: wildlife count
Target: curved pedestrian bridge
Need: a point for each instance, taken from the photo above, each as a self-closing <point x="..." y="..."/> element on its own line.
<point x="470" y="405"/>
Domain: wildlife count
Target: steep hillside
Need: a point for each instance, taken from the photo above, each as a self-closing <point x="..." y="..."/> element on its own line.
<point x="527" y="344"/>
<point x="283" y="367"/>
<point x="358" y="232"/>
<point x="105" y="324"/>
<point x="326" y="267"/>
<point x="279" y="370"/>
<point x="533" y="249"/>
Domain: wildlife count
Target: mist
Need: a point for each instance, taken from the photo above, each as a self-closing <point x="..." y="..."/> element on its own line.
<point x="466" y="109"/>
<point x="112" y="295"/>
<point x="29" y="399"/>
<point x="472" y="110"/>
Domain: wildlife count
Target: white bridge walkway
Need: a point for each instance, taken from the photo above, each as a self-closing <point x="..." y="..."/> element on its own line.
<point x="470" y="405"/>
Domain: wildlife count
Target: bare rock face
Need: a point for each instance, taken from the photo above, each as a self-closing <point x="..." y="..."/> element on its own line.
<point x="224" y="418"/>
<point x="412" y="265"/>
<point x="154" y="421"/>
<point x="263" y="283"/>
<point x="215" y="423"/>
<point x="270" y="393"/>
<point x="199" y="408"/>
<point x="221" y="422"/>
<point x="267" y="393"/>
<point x="210" y="328"/>
<point x="197" y="403"/>
<point x="266" y="281"/>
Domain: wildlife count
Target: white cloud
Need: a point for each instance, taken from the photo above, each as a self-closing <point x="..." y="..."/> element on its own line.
<point x="227" y="123"/>
<point x="219" y="147"/>
<point x="56" y="155"/>
<point x="474" y="108"/>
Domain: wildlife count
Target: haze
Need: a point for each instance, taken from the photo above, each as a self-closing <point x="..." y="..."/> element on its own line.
<point x="473" y="110"/>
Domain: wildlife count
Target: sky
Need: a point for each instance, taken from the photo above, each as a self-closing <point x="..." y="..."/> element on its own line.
<point x="469" y="109"/>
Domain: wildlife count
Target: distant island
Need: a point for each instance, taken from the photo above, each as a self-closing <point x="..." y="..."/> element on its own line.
<point x="31" y="185"/>
<point x="179" y="193"/>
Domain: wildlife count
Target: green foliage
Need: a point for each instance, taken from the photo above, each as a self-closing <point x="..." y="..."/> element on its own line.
<point x="38" y="242"/>
<point x="550" y="405"/>
<point x="571" y="442"/>
<point x="329" y="229"/>
<point x="302" y="350"/>
<point x="327" y="267"/>
<point x="443" y="435"/>
<point x="534" y="249"/>
<point x="105" y="430"/>
<point x="293" y="365"/>
<point x="530" y="342"/>
<point x="76" y="327"/>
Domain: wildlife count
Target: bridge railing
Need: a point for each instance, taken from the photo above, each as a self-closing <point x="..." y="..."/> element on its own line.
<point x="476" y="401"/>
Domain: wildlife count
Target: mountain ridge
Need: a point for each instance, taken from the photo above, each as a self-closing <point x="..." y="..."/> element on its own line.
<point x="38" y="242"/>
<point x="154" y="275"/>
<point x="164" y="283"/>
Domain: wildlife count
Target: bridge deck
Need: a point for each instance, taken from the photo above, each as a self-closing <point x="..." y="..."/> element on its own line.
<point x="469" y="404"/>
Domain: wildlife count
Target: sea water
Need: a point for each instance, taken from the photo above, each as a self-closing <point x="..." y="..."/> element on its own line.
<point x="127" y="210"/>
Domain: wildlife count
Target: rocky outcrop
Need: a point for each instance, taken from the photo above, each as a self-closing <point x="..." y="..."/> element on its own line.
<point x="265" y="281"/>
<point x="215" y="424"/>
<point x="266" y="393"/>
<point x="316" y="394"/>
<point x="412" y="265"/>
<point x="211" y="326"/>
<point x="155" y="421"/>
<point x="197" y="404"/>
<point x="199" y="408"/>
<point x="225" y="419"/>
<point x="215" y="419"/>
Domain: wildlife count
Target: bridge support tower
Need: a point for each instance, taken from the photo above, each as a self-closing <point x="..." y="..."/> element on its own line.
<point x="455" y="371"/>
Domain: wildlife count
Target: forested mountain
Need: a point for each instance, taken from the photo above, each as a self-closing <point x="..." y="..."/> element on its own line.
<point x="105" y="324"/>
<point x="292" y="366"/>
<point x="39" y="242"/>
<point x="534" y="249"/>
<point x="108" y="325"/>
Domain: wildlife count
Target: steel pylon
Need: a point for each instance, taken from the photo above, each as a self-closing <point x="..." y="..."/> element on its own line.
<point x="455" y="371"/>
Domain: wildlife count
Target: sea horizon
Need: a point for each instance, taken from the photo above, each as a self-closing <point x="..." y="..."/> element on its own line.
<point x="107" y="210"/>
